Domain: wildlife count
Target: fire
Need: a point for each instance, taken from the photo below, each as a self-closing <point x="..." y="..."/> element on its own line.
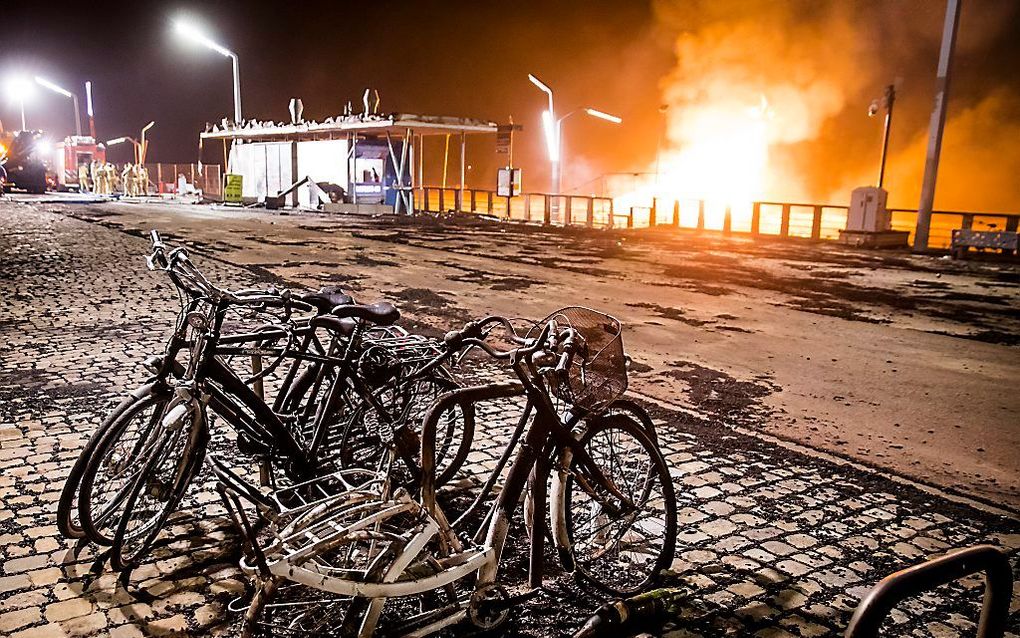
<point x="723" y="160"/>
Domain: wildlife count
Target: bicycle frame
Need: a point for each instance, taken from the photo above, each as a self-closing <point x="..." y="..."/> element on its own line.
<point x="530" y="470"/>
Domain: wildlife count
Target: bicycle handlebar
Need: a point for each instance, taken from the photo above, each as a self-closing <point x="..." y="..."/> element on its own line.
<point x="186" y="275"/>
<point x="559" y="342"/>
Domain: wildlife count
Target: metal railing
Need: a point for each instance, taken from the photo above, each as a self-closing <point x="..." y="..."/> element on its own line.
<point x="894" y="589"/>
<point x="818" y="222"/>
<point x="537" y="208"/>
<point x="163" y="178"/>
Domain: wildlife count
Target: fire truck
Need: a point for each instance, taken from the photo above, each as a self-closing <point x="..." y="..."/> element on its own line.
<point x="68" y="155"/>
<point x="22" y="156"/>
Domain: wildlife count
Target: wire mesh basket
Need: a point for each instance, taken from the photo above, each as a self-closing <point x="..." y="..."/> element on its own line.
<point x="597" y="374"/>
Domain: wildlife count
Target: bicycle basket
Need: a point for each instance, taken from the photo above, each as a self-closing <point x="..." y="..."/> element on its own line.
<point x="598" y="372"/>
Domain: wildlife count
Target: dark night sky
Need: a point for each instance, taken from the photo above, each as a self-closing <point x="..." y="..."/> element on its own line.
<point x="437" y="57"/>
<point x="471" y="59"/>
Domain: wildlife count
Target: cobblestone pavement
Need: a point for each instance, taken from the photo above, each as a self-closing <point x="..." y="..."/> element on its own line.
<point x="773" y="543"/>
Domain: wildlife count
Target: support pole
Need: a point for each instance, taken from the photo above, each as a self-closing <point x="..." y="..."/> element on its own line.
<point x="446" y="159"/>
<point x="463" y="169"/>
<point x="938" y="124"/>
<point x="354" y="162"/>
<point x="890" y="99"/>
<point x="77" y="115"/>
<point x="237" y="89"/>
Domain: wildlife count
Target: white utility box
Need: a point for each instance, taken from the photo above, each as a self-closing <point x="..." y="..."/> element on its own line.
<point x="867" y="210"/>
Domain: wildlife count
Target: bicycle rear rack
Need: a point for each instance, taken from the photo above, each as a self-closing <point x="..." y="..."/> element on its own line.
<point x="407" y="347"/>
<point x="892" y="590"/>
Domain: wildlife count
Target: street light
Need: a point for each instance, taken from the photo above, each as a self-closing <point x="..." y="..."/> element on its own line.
<point x="89" y="109"/>
<point x="553" y="130"/>
<point x="19" y="89"/>
<point x="121" y="140"/>
<point x="56" y="89"/>
<point x="143" y="145"/>
<point x="549" y="126"/>
<point x="193" y="33"/>
<point x="888" y="99"/>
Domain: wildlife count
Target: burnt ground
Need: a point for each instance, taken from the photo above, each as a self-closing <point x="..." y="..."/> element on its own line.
<point x="902" y="362"/>
<point x="774" y="541"/>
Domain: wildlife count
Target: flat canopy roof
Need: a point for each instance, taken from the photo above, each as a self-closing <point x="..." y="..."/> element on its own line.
<point x="394" y="123"/>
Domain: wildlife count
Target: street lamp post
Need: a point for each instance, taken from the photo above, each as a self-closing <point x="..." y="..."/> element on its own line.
<point x="89" y="110"/>
<point x="887" y="100"/>
<point x="143" y="146"/>
<point x="19" y="89"/>
<point x="551" y="137"/>
<point x="191" y="32"/>
<point x="74" y="97"/>
<point x="121" y="140"/>
<point x="601" y="115"/>
<point x="553" y="131"/>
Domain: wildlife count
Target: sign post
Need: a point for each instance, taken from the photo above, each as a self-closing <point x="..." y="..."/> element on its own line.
<point x="508" y="179"/>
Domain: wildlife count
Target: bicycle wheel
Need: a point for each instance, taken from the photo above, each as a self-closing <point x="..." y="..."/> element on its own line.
<point x="114" y="464"/>
<point x="360" y="445"/>
<point x="67" y="507"/>
<point x="619" y="550"/>
<point x="168" y="465"/>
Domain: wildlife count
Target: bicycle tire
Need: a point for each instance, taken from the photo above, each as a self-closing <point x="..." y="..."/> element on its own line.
<point x="360" y="447"/>
<point x="67" y="506"/>
<point x="611" y="576"/>
<point x="95" y="512"/>
<point x="187" y="464"/>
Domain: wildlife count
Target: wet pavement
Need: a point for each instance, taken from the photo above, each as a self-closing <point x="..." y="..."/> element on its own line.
<point x="774" y="541"/>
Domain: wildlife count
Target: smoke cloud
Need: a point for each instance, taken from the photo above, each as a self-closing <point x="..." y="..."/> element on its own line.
<point x="814" y="67"/>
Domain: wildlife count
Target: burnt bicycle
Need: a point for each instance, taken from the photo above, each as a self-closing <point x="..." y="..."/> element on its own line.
<point x="344" y="361"/>
<point x="332" y="563"/>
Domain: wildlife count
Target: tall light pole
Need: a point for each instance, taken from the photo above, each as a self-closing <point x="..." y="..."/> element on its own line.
<point x="553" y="131"/>
<point x="551" y="136"/>
<point x="594" y="112"/>
<point x="887" y="100"/>
<point x="56" y="89"/>
<point x="191" y="32"/>
<point x="121" y="140"/>
<point x="937" y="125"/>
<point x="19" y="89"/>
<point x="89" y="110"/>
<point x="143" y="145"/>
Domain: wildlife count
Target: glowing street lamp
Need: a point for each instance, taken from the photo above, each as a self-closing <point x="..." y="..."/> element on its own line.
<point x="19" y="89"/>
<point x="89" y="110"/>
<point x="121" y="140"/>
<point x="553" y="130"/>
<point x="191" y="32"/>
<point x="549" y="127"/>
<point x="56" y="89"/>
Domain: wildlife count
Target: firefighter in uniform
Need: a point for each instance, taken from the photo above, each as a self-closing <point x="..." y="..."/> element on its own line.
<point x="83" y="177"/>
<point x="127" y="178"/>
<point x="111" y="178"/>
<point x="96" y="174"/>
<point x="142" y="183"/>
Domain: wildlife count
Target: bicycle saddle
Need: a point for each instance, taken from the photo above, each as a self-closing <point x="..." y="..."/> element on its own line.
<point x="326" y="299"/>
<point x="381" y="313"/>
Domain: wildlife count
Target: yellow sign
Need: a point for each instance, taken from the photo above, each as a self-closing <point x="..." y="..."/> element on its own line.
<point x="232" y="188"/>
